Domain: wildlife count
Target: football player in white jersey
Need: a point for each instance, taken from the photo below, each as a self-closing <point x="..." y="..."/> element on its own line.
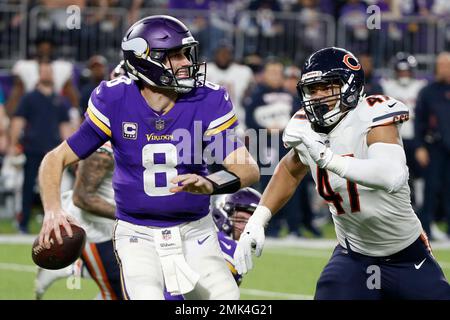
<point x="351" y="144"/>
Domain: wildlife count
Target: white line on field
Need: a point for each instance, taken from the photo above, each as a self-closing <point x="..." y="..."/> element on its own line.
<point x="254" y="292"/>
<point x="17" y="267"/>
<point x="272" y="294"/>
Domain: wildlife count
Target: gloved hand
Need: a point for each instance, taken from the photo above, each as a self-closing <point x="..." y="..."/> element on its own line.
<point x="252" y="238"/>
<point x="316" y="147"/>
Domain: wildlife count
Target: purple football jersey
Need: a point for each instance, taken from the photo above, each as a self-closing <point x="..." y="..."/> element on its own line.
<point x="150" y="149"/>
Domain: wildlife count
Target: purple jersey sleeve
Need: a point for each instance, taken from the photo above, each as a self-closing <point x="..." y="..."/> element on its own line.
<point x="85" y="140"/>
<point x="103" y="104"/>
<point x="220" y="137"/>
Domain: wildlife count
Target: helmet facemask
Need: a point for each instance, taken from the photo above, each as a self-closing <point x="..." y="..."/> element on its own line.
<point x="182" y="80"/>
<point x="238" y="216"/>
<point x="321" y="111"/>
<point x="185" y="78"/>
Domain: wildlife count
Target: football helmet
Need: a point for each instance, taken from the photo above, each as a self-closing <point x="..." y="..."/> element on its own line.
<point x="335" y="66"/>
<point x="404" y="66"/>
<point x="231" y="212"/>
<point x="150" y="41"/>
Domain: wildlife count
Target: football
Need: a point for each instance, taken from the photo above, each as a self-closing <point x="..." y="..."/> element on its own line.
<point x="60" y="256"/>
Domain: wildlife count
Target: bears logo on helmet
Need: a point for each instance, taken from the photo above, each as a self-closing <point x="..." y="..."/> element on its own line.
<point x="341" y="71"/>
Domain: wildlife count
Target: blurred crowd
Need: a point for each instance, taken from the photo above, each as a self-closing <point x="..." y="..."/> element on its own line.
<point x="44" y="95"/>
<point x="289" y="29"/>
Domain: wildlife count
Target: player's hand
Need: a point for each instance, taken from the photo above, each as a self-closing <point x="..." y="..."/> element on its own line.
<point x="252" y="239"/>
<point x="52" y="222"/>
<point x="422" y="157"/>
<point x="317" y="148"/>
<point x="192" y="183"/>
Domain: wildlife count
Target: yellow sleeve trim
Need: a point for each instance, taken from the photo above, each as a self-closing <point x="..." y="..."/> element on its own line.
<point x="222" y="127"/>
<point x="232" y="268"/>
<point x="98" y="123"/>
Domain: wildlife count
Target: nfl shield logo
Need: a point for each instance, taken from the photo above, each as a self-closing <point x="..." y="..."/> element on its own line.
<point x="166" y="234"/>
<point x="159" y="124"/>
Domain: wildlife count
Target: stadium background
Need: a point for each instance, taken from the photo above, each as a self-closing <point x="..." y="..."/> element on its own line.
<point x="288" y="30"/>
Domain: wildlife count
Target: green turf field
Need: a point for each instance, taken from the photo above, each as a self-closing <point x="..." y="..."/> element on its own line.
<point x="281" y="273"/>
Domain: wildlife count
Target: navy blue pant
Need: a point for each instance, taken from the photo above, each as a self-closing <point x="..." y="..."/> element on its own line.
<point x="30" y="171"/>
<point x="437" y="182"/>
<point x="412" y="273"/>
<point x="102" y="265"/>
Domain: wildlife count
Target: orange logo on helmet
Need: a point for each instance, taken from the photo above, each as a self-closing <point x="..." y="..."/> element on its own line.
<point x="347" y="62"/>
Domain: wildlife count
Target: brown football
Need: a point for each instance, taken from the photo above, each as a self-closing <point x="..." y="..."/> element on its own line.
<point x="59" y="256"/>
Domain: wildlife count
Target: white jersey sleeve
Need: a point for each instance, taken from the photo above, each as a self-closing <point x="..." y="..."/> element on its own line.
<point x="381" y="110"/>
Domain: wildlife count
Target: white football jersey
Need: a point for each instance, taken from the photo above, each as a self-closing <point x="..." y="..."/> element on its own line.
<point x="236" y="79"/>
<point x="98" y="229"/>
<point x="406" y="94"/>
<point x="374" y="222"/>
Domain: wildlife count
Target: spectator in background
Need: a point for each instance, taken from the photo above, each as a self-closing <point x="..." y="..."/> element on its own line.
<point x="235" y="77"/>
<point x="98" y="71"/>
<point x="405" y="87"/>
<point x="353" y="15"/>
<point x="26" y="76"/>
<point x="44" y="118"/>
<point x="269" y="107"/>
<point x="299" y="215"/>
<point x="433" y="138"/>
<point x="4" y="122"/>
<point x="371" y="86"/>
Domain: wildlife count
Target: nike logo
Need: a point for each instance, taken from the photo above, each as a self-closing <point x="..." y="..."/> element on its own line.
<point x="391" y="105"/>
<point x="226" y="245"/>
<point x="226" y="96"/>
<point x="98" y="90"/>
<point x="200" y="242"/>
<point x="417" y="266"/>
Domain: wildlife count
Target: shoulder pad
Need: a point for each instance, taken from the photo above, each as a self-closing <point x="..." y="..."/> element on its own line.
<point x="380" y="110"/>
<point x="112" y="90"/>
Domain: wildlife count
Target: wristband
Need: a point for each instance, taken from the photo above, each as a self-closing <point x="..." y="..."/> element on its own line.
<point x="261" y="216"/>
<point x="224" y="181"/>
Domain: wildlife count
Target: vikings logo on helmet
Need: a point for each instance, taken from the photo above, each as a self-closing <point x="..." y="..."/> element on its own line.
<point x="333" y="66"/>
<point x="148" y="43"/>
<point x="231" y="212"/>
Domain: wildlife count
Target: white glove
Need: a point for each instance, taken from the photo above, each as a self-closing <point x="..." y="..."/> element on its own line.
<point x="251" y="238"/>
<point x="317" y="149"/>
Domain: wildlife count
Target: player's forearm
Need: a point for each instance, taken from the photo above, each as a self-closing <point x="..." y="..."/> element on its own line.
<point x="50" y="173"/>
<point x="384" y="169"/>
<point x="94" y="204"/>
<point x="241" y="163"/>
<point x="281" y="187"/>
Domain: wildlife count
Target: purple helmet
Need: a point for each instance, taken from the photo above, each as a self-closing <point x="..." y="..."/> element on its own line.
<point x="231" y="213"/>
<point x="148" y="43"/>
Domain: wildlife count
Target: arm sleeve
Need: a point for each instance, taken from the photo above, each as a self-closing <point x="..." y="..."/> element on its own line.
<point x="220" y="133"/>
<point x="98" y="113"/>
<point x="86" y="140"/>
<point x="385" y="168"/>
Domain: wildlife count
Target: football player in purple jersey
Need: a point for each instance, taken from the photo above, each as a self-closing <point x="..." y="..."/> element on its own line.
<point x="164" y="122"/>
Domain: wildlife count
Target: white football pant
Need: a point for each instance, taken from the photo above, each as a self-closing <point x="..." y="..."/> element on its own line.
<point x="141" y="271"/>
